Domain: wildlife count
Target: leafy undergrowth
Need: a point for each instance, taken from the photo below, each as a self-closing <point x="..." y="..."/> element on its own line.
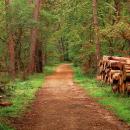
<point x="5" y="127"/>
<point x="22" y="93"/>
<point x="120" y="105"/>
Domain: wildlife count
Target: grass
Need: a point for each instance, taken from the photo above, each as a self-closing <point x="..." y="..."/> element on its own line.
<point x="5" y="127"/>
<point x="118" y="104"/>
<point x="22" y="93"/>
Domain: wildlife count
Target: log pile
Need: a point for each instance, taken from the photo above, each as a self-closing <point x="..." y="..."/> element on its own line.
<point x="4" y="103"/>
<point x="116" y="72"/>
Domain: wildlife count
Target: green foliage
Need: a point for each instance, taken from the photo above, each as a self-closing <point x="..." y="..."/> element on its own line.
<point x="66" y="33"/>
<point x="75" y="25"/>
<point x="4" y="127"/>
<point x="69" y="30"/>
<point x="65" y="29"/>
<point x="23" y="93"/>
<point x="20" y="15"/>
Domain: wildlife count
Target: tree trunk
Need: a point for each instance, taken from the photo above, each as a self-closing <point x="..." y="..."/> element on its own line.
<point x="117" y="5"/>
<point x="34" y="38"/>
<point x="128" y="5"/>
<point x="39" y="58"/>
<point x="96" y="29"/>
<point x="10" y="42"/>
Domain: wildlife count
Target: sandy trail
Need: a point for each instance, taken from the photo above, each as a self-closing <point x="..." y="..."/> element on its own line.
<point x="62" y="105"/>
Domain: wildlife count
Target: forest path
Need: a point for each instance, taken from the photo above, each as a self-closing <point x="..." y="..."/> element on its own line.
<point x="62" y="105"/>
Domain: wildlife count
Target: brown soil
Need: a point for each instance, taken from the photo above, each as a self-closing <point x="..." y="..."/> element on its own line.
<point x="62" y="105"/>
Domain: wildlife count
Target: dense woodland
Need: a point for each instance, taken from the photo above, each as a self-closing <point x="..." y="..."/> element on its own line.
<point x="34" y="33"/>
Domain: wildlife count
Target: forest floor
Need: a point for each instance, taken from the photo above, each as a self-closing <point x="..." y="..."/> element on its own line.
<point x="63" y="105"/>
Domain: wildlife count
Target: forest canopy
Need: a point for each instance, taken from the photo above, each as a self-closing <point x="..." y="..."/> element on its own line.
<point x="88" y="38"/>
<point x="36" y="33"/>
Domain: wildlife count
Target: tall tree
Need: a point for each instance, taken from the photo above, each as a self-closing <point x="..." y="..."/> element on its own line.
<point x="10" y="41"/>
<point x="96" y="29"/>
<point x="34" y="51"/>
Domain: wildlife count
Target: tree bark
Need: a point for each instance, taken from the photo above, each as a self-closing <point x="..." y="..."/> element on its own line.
<point x="128" y="5"/>
<point x="96" y="29"/>
<point x="39" y="58"/>
<point x="34" y="38"/>
<point x="117" y="5"/>
<point x="10" y="42"/>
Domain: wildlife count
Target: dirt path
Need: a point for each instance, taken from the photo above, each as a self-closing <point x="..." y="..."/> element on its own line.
<point x="61" y="105"/>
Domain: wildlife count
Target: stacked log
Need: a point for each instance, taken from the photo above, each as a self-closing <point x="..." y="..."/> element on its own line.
<point x="116" y="72"/>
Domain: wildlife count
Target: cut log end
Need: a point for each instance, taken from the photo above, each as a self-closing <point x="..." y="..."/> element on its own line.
<point x="5" y="104"/>
<point x="115" y="71"/>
